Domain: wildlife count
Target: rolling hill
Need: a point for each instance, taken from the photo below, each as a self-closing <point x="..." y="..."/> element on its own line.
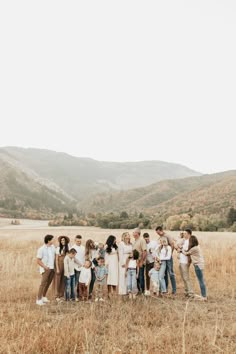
<point x="207" y="194"/>
<point x="23" y="196"/>
<point x="79" y="178"/>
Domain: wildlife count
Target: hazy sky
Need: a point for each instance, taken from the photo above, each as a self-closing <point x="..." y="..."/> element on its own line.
<point x="121" y="80"/>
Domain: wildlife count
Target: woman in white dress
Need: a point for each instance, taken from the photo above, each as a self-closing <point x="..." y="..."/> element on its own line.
<point x="111" y="261"/>
<point x="124" y="249"/>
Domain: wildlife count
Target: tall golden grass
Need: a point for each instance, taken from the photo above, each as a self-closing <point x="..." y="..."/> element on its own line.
<point x="146" y="325"/>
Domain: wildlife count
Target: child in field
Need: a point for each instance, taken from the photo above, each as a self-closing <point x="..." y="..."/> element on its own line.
<point x="179" y="244"/>
<point x="84" y="280"/>
<point x="154" y="275"/>
<point x="69" y="274"/>
<point x="101" y="277"/>
<point x="132" y="272"/>
<point x="197" y="259"/>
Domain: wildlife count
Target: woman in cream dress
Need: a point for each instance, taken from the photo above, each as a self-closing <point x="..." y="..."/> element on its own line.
<point x="124" y="249"/>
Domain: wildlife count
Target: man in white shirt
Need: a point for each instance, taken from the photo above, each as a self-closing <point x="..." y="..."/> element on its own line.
<point x="184" y="265"/>
<point x="79" y="260"/>
<point x="152" y="246"/>
<point x="45" y="260"/>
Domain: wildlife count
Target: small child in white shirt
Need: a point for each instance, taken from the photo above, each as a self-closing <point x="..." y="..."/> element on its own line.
<point x="154" y="275"/>
<point x="179" y="243"/>
<point x="84" y="280"/>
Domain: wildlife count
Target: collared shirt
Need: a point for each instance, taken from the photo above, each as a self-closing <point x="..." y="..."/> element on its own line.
<point x="80" y="256"/>
<point x="100" y="271"/>
<point x="182" y="258"/>
<point x="152" y="247"/>
<point x="69" y="266"/>
<point x="140" y="245"/>
<point x="47" y="255"/>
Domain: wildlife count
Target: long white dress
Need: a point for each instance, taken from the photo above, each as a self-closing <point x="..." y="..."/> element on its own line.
<point x="124" y="251"/>
<point x="111" y="261"/>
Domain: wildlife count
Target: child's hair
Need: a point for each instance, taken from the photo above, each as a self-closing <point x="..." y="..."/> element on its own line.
<point x="48" y="238"/>
<point x="193" y="241"/>
<point x="135" y="254"/>
<point x="100" y="259"/>
<point x="101" y="244"/>
<point x="90" y="263"/>
<point x="157" y="263"/>
<point x="72" y="251"/>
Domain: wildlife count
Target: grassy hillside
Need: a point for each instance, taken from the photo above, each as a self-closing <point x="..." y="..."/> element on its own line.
<point x="81" y="177"/>
<point x="22" y="196"/>
<point x="206" y="194"/>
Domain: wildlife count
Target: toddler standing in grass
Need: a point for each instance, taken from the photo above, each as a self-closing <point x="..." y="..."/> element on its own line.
<point x="101" y="277"/>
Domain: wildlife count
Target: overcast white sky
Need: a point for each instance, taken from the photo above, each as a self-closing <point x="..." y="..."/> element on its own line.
<point x="121" y="80"/>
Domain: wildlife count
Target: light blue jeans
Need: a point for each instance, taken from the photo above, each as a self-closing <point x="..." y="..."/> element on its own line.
<point x="200" y="277"/>
<point x="162" y="276"/>
<point x="132" y="281"/>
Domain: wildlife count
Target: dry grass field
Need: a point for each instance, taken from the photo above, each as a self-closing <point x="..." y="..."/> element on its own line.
<point x="146" y="325"/>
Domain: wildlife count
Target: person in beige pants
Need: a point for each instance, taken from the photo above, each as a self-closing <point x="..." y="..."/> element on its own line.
<point x="184" y="264"/>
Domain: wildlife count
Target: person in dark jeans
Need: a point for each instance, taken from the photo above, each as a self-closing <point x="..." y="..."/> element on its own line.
<point x="141" y="246"/>
<point x="169" y="263"/>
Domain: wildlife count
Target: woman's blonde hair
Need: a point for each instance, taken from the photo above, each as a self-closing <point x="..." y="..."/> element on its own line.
<point x="164" y="243"/>
<point x="124" y="235"/>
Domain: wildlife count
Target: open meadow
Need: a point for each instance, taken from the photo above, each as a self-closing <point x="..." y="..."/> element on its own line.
<point x="145" y="325"/>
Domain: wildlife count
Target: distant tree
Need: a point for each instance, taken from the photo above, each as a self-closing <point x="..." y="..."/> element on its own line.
<point x="124" y="215"/>
<point x="231" y="217"/>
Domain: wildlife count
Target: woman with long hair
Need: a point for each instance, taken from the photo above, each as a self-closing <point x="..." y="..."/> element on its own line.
<point x="111" y="260"/>
<point x="90" y="254"/>
<point x="124" y="250"/>
<point x="197" y="260"/>
<point x="61" y="251"/>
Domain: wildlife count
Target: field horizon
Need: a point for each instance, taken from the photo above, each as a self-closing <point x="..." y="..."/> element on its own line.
<point x="147" y="325"/>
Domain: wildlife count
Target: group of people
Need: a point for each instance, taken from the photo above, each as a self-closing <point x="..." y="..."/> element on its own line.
<point x="96" y="271"/>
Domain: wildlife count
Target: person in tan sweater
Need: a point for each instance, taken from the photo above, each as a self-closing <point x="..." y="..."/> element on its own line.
<point x="195" y="254"/>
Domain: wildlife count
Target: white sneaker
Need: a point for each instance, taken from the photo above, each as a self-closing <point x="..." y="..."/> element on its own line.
<point x="101" y="299"/>
<point x="96" y="300"/>
<point x="40" y="302"/>
<point x="45" y="300"/>
<point x="147" y="293"/>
